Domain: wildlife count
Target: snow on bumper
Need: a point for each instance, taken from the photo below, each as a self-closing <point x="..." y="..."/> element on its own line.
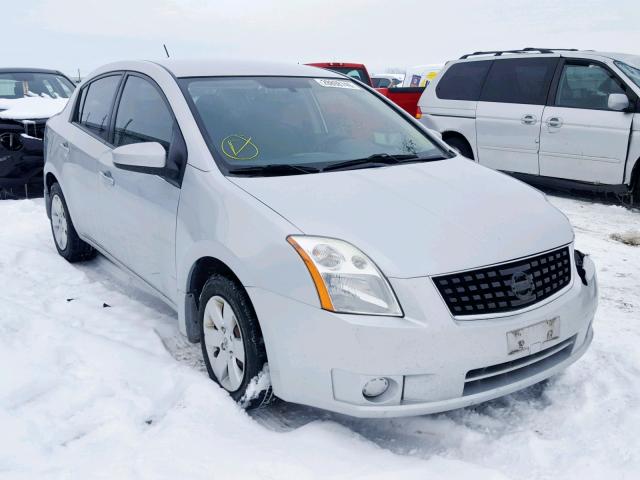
<point x="324" y="359"/>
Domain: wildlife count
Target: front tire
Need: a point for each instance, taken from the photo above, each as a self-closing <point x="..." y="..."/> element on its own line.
<point x="232" y="344"/>
<point x="68" y="243"/>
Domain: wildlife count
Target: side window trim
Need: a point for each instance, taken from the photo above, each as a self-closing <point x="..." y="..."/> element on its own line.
<point x="114" y="108"/>
<point x="553" y="91"/>
<point x="484" y="82"/>
<point x="82" y="95"/>
<point x="76" y="114"/>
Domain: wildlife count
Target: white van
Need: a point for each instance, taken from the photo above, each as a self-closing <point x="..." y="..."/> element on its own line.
<point x="563" y="117"/>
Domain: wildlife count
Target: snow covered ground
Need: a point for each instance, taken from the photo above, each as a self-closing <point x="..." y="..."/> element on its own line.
<point x="96" y="382"/>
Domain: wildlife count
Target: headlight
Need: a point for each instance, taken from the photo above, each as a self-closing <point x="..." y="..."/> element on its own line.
<point x="346" y="279"/>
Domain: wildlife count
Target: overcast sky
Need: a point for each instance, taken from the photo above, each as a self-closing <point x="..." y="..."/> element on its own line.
<point x="72" y="34"/>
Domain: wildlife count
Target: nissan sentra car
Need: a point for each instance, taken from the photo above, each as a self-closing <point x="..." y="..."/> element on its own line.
<point x="306" y="229"/>
<point x="28" y="97"/>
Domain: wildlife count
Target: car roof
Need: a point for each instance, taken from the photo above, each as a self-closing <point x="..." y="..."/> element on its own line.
<point x="336" y="64"/>
<point x="30" y="70"/>
<point x="567" y="53"/>
<point x="227" y="68"/>
<point x="623" y="57"/>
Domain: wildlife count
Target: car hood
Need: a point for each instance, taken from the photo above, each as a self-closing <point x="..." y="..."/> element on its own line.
<point x="30" y="107"/>
<point x="419" y="219"/>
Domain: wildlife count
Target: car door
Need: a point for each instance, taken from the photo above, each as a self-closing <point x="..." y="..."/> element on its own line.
<point x="86" y="143"/>
<point x="581" y="138"/>
<point x="138" y="209"/>
<point x="509" y="112"/>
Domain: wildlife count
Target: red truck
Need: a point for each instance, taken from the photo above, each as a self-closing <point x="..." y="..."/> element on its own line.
<point x="405" y="97"/>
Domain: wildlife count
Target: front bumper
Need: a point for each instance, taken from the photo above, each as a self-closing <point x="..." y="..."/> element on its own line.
<point x="21" y="165"/>
<point x="323" y="359"/>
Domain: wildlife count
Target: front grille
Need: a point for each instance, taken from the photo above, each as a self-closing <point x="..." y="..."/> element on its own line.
<point x="34" y="128"/>
<point x="506" y="287"/>
<point x="488" y="378"/>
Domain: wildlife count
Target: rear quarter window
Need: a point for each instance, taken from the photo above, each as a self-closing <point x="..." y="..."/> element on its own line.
<point x="463" y="81"/>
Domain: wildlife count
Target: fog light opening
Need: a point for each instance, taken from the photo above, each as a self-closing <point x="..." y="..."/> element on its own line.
<point x="11" y="141"/>
<point x="375" y="387"/>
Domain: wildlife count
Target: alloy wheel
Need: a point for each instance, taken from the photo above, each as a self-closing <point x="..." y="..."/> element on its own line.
<point x="224" y="344"/>
<point x="59" y="222"/>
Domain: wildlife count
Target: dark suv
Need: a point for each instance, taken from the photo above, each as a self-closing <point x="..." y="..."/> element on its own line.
<point x="28" y="97"/>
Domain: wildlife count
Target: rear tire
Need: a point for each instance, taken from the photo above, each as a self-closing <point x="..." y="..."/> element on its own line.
<point x="232" y="344"/>
<point x="68" y="243"/>
<point x="635" y="193"/>
<point x="461" y="146"/>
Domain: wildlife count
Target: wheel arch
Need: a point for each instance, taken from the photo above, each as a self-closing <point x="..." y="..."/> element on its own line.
<point x="49" y="180"/>
<point x="634" y="183"/>
<point x="201" y="270"/>
<point x="449" y="134"/>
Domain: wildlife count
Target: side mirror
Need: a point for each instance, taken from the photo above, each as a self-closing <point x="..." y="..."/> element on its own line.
<point x="140" y="157"/>
<point x="618" y="102"/>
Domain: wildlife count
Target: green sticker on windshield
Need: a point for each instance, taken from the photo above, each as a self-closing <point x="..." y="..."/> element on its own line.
<point x="239" y="147"/>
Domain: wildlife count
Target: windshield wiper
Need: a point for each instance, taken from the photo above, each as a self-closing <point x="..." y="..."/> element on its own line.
<point x="379" y="160"/>
<point x="273" y="170"/>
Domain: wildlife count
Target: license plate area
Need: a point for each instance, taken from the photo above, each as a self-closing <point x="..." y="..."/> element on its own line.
<point x="532" y="338"/>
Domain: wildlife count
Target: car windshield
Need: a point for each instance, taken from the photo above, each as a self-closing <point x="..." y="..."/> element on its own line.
<point x="632" y="72"/>
<point x="288" y="125"/>
<point x="15" y="85"/>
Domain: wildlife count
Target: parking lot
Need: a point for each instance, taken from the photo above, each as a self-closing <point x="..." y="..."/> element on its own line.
<point x="320" y="240"/>
<point x="97" y="381"/>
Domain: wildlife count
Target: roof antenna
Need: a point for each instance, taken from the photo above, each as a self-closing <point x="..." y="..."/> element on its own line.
<point x="165" y="50"/>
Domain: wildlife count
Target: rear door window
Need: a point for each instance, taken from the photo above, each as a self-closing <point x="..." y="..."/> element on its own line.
<point x="463" y="81"/>
<point x="586" y="86"/>
<point x="519" y="80"/>
<point x="95" y="102"/>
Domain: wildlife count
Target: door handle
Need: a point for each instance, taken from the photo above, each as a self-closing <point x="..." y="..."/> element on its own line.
<point x="529" y="119"/>
<point x="554" y="122"/>
<point x="107" y="178"/>
<point x="64" y="146"/>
